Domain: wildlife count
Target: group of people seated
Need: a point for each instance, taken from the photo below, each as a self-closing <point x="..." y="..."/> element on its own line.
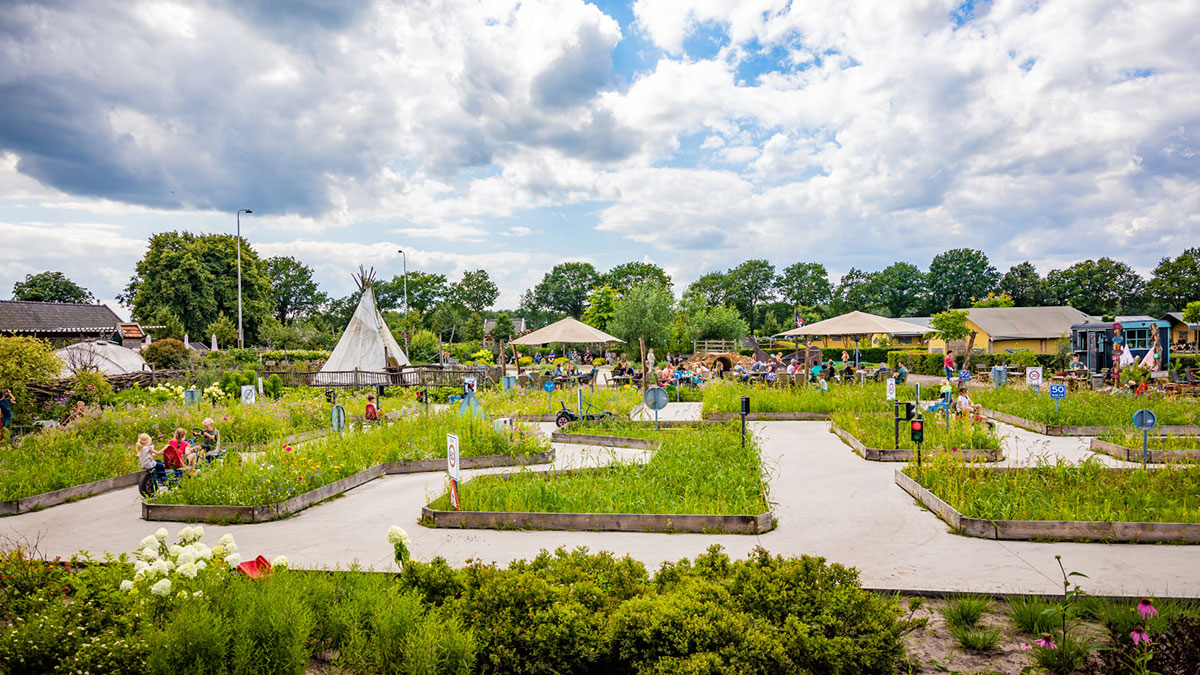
<point x="178" y="454"/>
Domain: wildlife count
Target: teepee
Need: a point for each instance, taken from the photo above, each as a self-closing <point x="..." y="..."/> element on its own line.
<point x="366" y="346"/>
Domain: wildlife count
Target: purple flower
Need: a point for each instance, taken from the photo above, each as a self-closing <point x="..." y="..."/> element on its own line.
<point x="1045" y="642"/>
<point x="1145" y="608"/>
<point x="1025" y="646"/>
<point x="1139" y="635"/>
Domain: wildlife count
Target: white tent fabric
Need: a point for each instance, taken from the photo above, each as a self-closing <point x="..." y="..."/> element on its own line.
<point x="857" y="323"/>
<point x="366" y="345"/>
<point x="100" y="355"/>
<point x="565" y="330"/>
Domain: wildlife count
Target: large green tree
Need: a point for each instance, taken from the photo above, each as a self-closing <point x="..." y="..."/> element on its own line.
<point x="627" y="275"/>
<point x="1098" y="287"/>
<point x="858" y="290"/>
<point x="504" y="328"/>
<point x="957" y="276"/>
<point x="1023" y="283"/>
<point x="712" y="289"/>
<point x="644" y="312"/>
<point x="749" y="285"/>
<point x="476" y="291"/>
<point x="194" y="278"/>
<point x="900" y="289"/>
<point x="425" y="291"/>
<point x="51" y="287"/>
<point x="565" y="288"/>
<point x="805" y="283"/>
<point x="293" y="291"/>
<point x="1176" y="281"/>
<point x="601" y="305"/>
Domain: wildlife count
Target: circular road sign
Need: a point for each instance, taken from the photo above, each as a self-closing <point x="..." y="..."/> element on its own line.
<point x="656" y="398"/>
<point x="1145" y="419"/>
<point x="337" y="417"/>
<point x="548" y="386"/>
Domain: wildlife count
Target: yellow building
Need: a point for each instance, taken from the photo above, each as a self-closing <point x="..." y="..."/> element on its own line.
<point x="1001" y="329"/>
<point x="1182" y="332"/>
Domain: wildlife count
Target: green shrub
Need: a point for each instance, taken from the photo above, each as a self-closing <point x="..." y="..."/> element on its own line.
<point x="112" y="652"/>
<point x="484" y="356"/>
<point x="599" y="361"/>
<point x="1033" y="616"/>
<point x="166" y="353"/>
<point x="195" y="640"/>
<point x="294" y="355"/>
<point x="423" y="347"/>
<point x="525" y="361"/>
<point x="976" y="638"/>
<point x="38" y="642"/>
<point x="271" y="627"/>
<point x="90" y="386"/>
<point x="965" y="611"/>
<point x="273" y="387"/>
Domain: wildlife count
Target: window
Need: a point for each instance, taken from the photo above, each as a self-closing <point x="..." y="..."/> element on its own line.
<point x="1137" y="338"/>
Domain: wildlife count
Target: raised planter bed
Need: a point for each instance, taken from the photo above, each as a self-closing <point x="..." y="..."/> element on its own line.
<point x="1074" y="530"/>
<point x="604" y="522"/>
<point x="1059" y="430"/>
<point x="908" y="455"/>
<point x="769" y="416"/>
<point x="266" y="512"/>
<point x="68" y="494"/>
<point x="1135" y="454"/>
<point x="605" y="441"/>
<point x="532" y="418"/>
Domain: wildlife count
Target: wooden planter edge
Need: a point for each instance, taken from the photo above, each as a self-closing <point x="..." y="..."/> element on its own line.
<point x="603" y="522"/>
<point x="907" y="455"/>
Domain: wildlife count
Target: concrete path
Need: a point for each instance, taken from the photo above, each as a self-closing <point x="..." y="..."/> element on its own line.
<point x="829" y="502"/>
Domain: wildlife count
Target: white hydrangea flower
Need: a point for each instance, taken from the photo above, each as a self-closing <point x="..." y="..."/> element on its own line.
<point x="281" y="561"/>
<point x="185" y="557"/>
<point x="189" y="570"/>
<point x="233" y="559"/>
<point x="200" y="564"/>
<point x="175" y="550"/>
<point x="158" y="568"/>
<point x="196" y="594"/>
<point x="231" y="547"/>
<point x="197" y="532"/>
<point x="169" y="564"/>
<point x="148" y="554"/>
<point x="203" y="552"/>
<point x="127" y="585"/>
<point x="397" y="535"/>
<point x="185" y="534"/>
<point x="216" y="551"/>
<point x="161" y="534"/>
<point x="140" y="566"/>
<point x="148" y="542"/>
<point x="226" y="539"/>
<point x="163" y="587"/>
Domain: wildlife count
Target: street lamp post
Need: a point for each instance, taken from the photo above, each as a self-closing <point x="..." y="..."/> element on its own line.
<point x="404" y="258"/>
<point x="241" y="343"/>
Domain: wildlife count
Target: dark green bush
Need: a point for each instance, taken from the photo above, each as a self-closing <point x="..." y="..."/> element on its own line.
<point x="166" y="353"/>
<point x="194" y="641"/>
<point x="273" y="387"/>
<point x="271" y="626"/>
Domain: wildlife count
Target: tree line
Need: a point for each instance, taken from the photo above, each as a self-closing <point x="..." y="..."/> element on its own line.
<point x="188" y="284"/>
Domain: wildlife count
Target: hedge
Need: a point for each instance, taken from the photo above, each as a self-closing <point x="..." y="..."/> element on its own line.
<point x="926" y="363"/>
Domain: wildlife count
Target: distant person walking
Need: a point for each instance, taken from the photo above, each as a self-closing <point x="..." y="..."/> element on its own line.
<point x="949" y="365"/>
<point x="6" y="413"/>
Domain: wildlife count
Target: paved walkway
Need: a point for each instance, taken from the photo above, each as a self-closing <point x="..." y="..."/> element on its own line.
<point x="829" y="502"/>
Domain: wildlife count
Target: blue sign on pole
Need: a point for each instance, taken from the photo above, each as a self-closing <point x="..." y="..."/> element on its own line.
<point x="1145" y="419"/>
<point x="548" y="386"/>
<point x="1058" y="391"/>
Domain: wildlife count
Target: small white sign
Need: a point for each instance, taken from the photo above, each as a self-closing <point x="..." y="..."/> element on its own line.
<point x="452" y="455"/>
<point x="248" y="393"/>
<point x="468" y="385"/>
<point x="891" y="389"/>
<point x="260" y="385"/>
<point x="1033" y="376"/>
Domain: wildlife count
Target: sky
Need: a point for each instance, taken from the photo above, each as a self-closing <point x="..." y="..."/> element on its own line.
<point x="512" y="136"/>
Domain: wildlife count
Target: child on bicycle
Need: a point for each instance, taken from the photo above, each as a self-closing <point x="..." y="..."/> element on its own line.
<point x="176" y="454"/>
<point x="147" y="458"/>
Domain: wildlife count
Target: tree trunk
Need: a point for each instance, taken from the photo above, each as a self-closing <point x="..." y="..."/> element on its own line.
<point x="970" y="349"/>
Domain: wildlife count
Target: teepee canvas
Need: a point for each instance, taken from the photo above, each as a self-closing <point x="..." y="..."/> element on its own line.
<point x="366" y="345"/>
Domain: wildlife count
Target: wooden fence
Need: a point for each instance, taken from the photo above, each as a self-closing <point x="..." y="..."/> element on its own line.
<point x="419" y="376"/>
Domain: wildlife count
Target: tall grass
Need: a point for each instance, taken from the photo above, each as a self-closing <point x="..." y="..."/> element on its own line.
<point x="725" y="397"/>
<point x="533" y="401"/>
<point x="1133" y="439"/>
<point x="878" y="431"/>
<point x="1063" y="490"/>
<point x="280" y="473"/>
<point x="695" y="471"/>
<point x="1085" y="408"/>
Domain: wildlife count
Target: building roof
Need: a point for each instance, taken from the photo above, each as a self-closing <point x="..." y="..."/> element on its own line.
<point x="17" y="316"/>
<point x="1026" y="323"/>
<point x="131" y="331"/>
<point x="1176" y="318"/>
<point x="922" y="321"/>
<point x="518" y="324"/>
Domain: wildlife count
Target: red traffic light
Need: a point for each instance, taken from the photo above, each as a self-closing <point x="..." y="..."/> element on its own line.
<point x="916" y="425"/>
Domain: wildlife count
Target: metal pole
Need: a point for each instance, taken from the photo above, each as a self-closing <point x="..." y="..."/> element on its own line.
<point x="241" y="343"/>
<point x="404" y="259"/>
<point x="1145" y="451"/>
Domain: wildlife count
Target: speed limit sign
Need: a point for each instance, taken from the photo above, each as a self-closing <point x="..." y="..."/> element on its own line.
<point x="452" y="455"/>
<point x="1033" y="376"/>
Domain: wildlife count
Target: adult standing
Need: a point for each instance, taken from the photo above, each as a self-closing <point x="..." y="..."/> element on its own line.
<point x="948" y="364"/>
<point x="650" y="359"/>
<point x="6" y="410"/>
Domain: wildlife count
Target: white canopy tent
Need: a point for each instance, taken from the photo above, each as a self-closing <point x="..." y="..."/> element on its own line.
<point x="100" y="355"/>
<point x="857" y="323"/>
<point x="566" y="330"/>
<point x="367" y="345"/>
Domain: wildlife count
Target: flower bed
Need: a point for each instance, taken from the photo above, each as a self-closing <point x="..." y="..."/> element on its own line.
<point x="519" y="402"/>
<point x="281" y="473"/>
<point x="1061" y="500"/>
<point x="873" y="436"/>
<point x="724" y="399"/>
<point x="99" y="446"/>
<point x="702" y="471"/>
<point x="1127" y="445"/>
<point x="1085" y="413"/>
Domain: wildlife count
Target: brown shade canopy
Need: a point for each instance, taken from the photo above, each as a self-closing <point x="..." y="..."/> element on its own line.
<point x="858" y="323"/>
<point x="566" y="330"/>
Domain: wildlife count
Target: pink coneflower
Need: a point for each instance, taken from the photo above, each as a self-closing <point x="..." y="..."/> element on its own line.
<point x="1139" y="635"/>
<point x="1145" y="608"/>
<point x="1045" y="642"/>
<point x="1025" y="646"/>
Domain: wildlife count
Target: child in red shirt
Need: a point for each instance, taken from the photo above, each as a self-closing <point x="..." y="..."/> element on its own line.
<point x="372" y="413"/>
<point x="176" y="454"/>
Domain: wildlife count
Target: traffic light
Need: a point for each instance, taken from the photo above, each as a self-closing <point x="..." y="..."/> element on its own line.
<point x="910" y="410"/>
<point x="917" y="429"/>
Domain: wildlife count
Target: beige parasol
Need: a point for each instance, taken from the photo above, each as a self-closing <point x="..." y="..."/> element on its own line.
<point x="566" y="330"/>
<point x="858" y="323"/>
